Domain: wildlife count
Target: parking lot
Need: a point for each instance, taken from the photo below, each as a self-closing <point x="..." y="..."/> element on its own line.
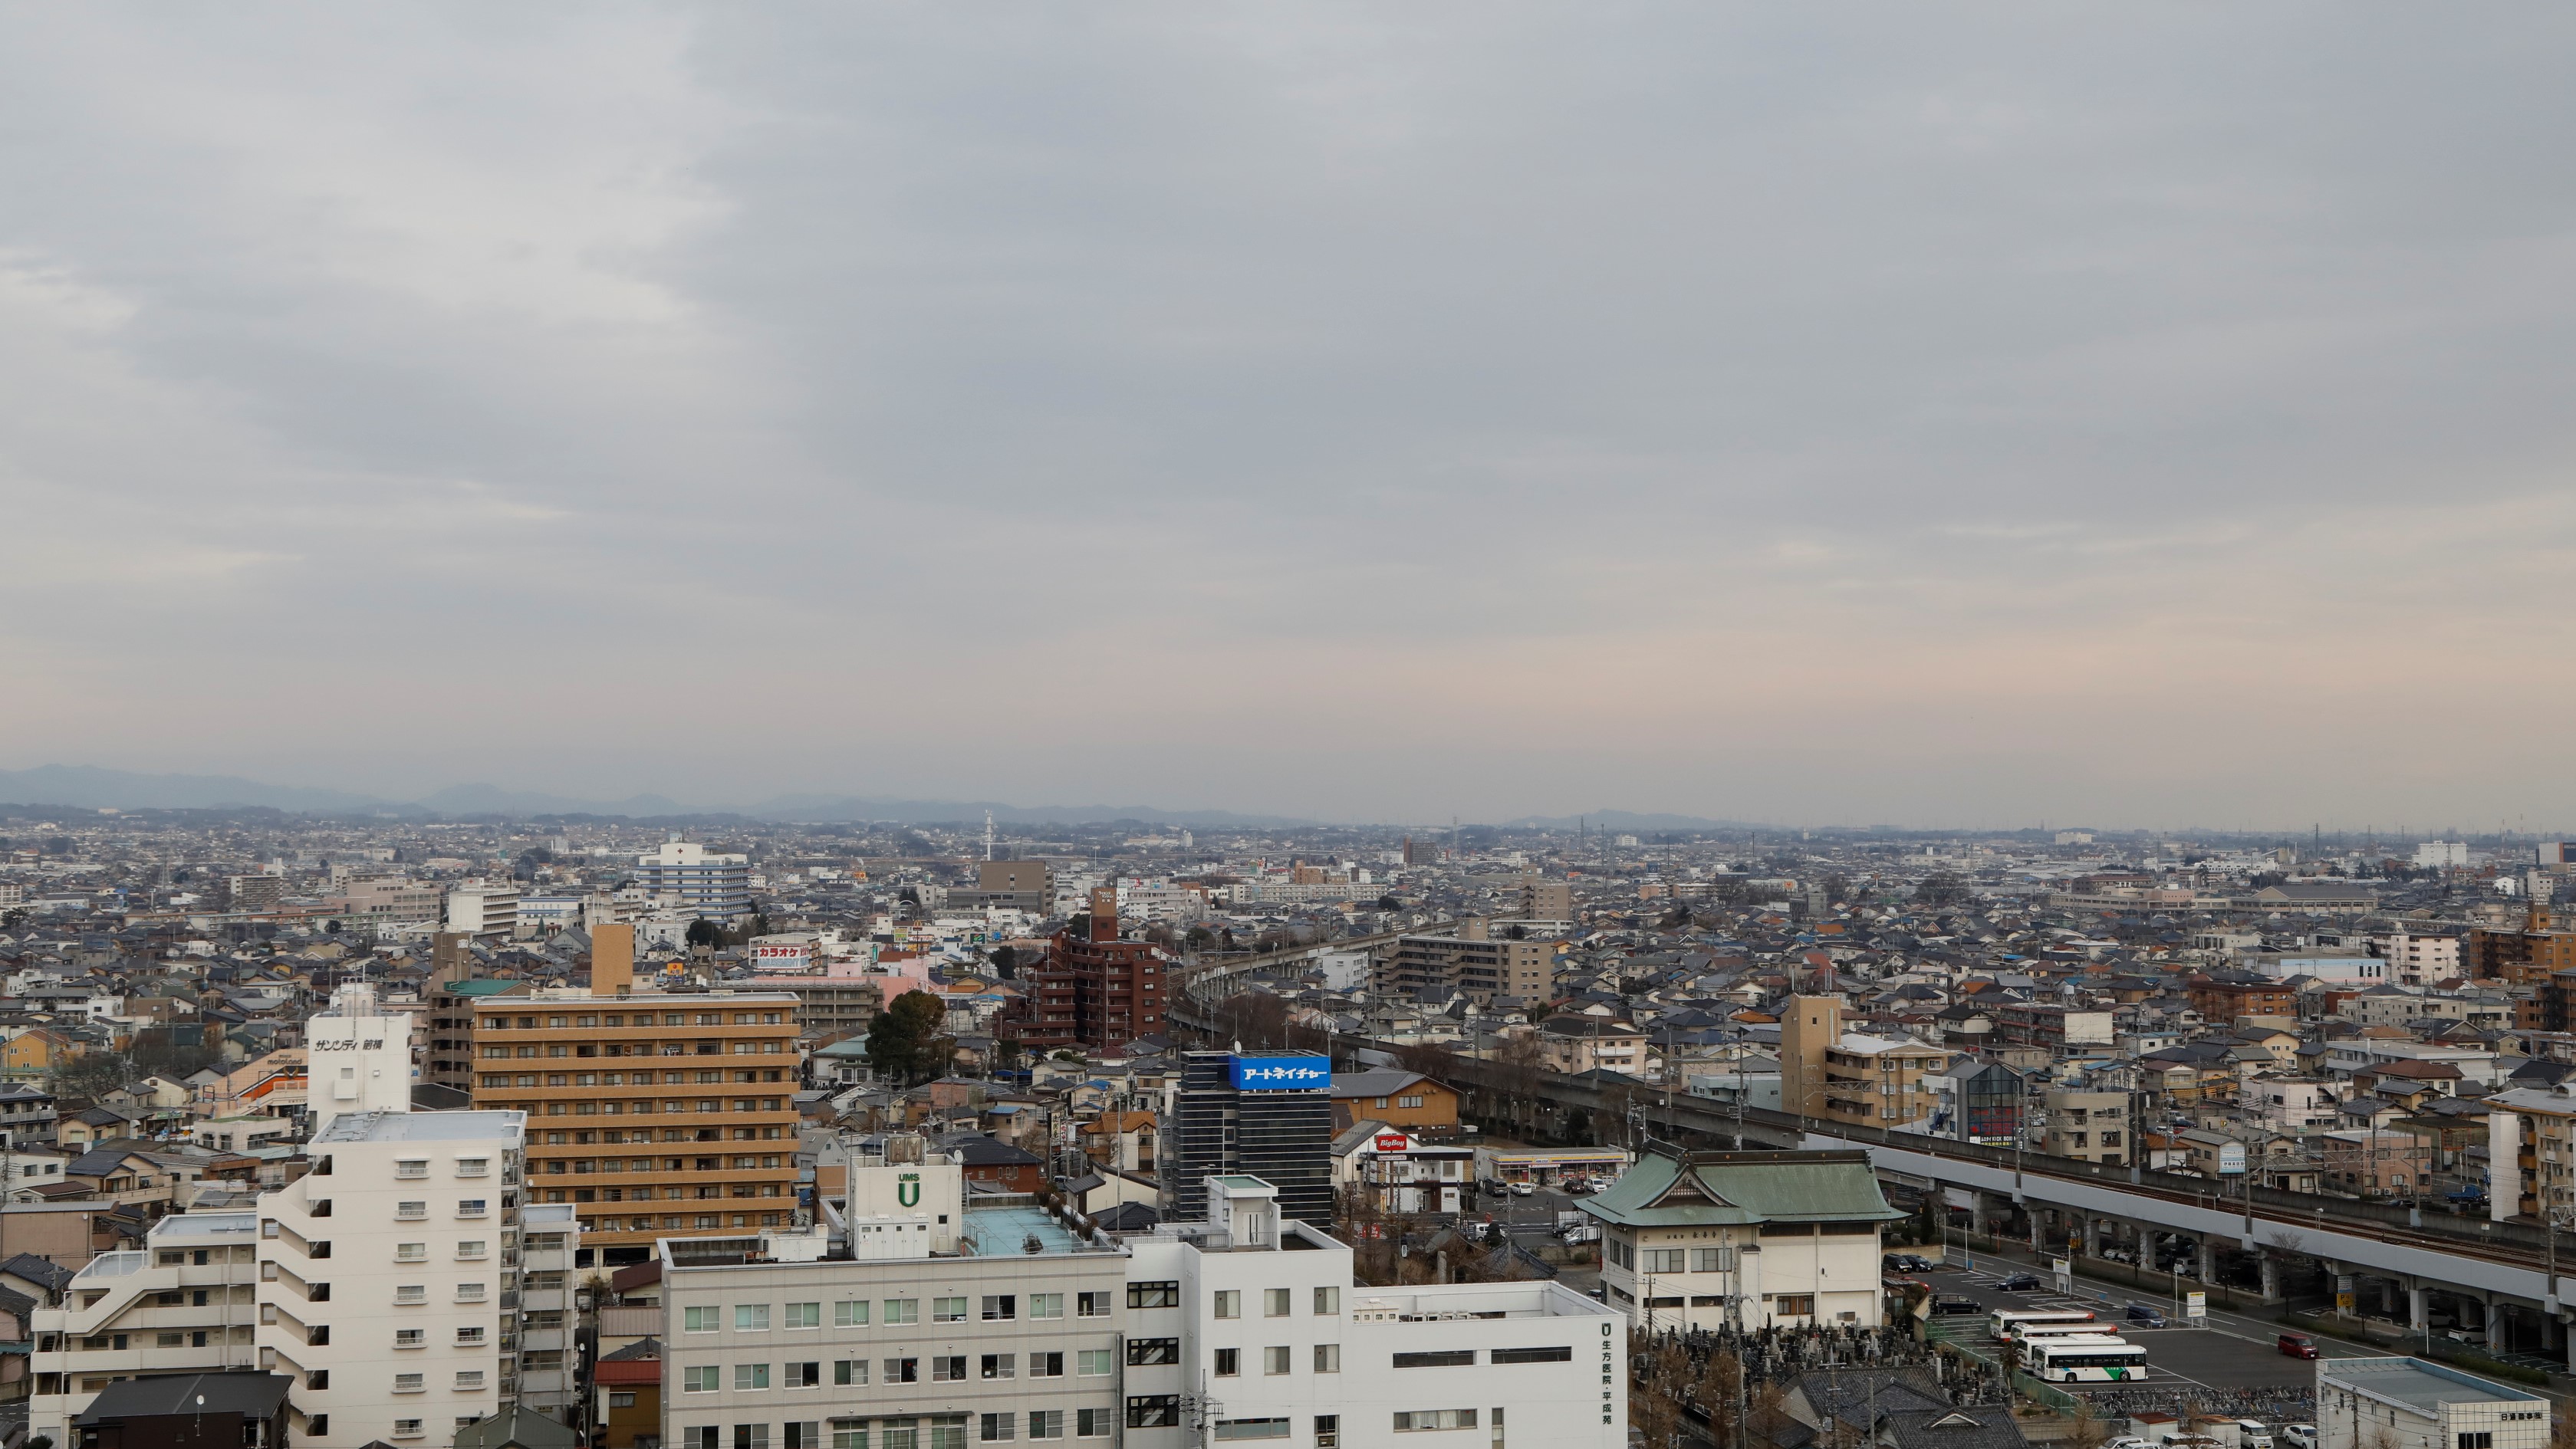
<point x="2232" y="1360"/>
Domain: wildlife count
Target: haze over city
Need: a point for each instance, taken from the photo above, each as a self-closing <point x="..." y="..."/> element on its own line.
<point x="2143" y="417"/>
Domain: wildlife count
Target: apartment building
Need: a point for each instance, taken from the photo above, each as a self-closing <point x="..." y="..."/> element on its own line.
<point x="1474" y="962"/>
<point x="2088" y="1126"/>
<point x="487" y="910"/>
<point x="2531" y="1152"/>
<point x="185" y="1302"/>
<point x="2056" y="1029"/>
<point x="549" y="1311"/>
<point x="358" y="1057"/>
<point x="653" y="1115"/>
<point x="1095" y="990"/>
<point x="696" y="880"/>
<point x="389" y="1277"/>
<point x="2420" y="960"/>
<point x="1850" y="1076"/>
<point x="1245" y="1325"/>
<point x="1701" y="1240"/>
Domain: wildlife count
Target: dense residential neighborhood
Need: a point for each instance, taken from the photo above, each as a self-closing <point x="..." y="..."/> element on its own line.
<point x="1088" y="1039"/>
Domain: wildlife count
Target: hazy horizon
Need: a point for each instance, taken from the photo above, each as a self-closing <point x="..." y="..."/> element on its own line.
<point x="1892" y="414"/>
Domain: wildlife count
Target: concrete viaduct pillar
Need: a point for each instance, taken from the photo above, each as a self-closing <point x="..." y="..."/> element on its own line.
<point x="2417" y="1306"/>
<point x="2499" y="1326"/>
<point x="2208" y="1260"/>
<point x="2271" y="1276"/>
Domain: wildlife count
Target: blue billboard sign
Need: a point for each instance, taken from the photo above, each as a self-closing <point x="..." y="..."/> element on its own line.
<point x="1282" y="1074"/>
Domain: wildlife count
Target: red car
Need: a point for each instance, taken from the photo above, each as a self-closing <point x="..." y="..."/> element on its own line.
<point x="2299" y="1345"/>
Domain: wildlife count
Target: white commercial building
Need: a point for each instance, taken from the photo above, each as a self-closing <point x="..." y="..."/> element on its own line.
<point x="389" y="1276"/>
<point x="183" y="1303"/>
<point x="1246" y="1326"/>
<point x="2442" y="855"/>
<point x="2407" y="1403"/>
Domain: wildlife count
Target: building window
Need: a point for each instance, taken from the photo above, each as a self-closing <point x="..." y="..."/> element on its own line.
<point x="1328" y="1431"/>
<point x="805" y="1315"/>
<point x="804" y="1434"/>
<point x="1096" y="1305"/>
<point x="1229" y="1303"/>
<point x="1046" y="1423"/>
<point x="410" y="1337"/>
<point x="806" y="1375"/>
<point x="1001" y="1307"/>
<point x="1274" y="1361"/>
<point x="751" y="1318"/>
<point x="1046" y="1365"/>
<point x="747" y="1376"/>
<point x="1328" y="1300"/>
<point x="1046" y="1305"/>
<point x="1328" y="1358"/>
<point x="947" y="1368"/>
<point x="850" y="1313"/>
<point x="849" y="1434"/>
<point x="406" y="1428"/>
<point x="1095" y="1363"/>
<point x="698" y="1379"/>
<point x="1794" y="1305"/>
<point x="1091" y="1423"/>
<point x="1153" y="1411"/>
<point x="999" y="1366"/>
<point x="1437" y="1358"/>
<point x="698" y="1320"/>
<point x="1152" y="1295"/>
<point x="904" y="1310"/>
<point x="1421" y="1419"/>
<point x="994" y="1428"/>
<point x="903" y="1370"/>
<point x="1229" y="1362"/>
<point x="407" y="1383"/>
<point x="948" y="1310"/>
<point x="850" y="1371"/>
<point x="751" y="1436"/>
<point x="1663" y="1260"/>
<point x="469" y="1380"/>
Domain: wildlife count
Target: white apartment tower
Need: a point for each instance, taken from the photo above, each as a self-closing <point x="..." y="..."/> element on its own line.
<point x="359" y="1059"/>
<point x="389" y="1276"/>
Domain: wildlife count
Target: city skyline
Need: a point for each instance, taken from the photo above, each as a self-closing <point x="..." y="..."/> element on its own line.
<point x="1885" y="416"/>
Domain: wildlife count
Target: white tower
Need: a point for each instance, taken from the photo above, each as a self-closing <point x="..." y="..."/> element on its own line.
<point x="360" y="1059"/>
<point x="988" y="835"/>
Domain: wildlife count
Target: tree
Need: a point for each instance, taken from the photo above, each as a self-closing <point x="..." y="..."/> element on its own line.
<point x="1429" y="1058"/>
<point x="706" y="933"/>
<point x="84" y="1080"/>
<point x="1006" y="962"/>
<point x="904" y="1041"/>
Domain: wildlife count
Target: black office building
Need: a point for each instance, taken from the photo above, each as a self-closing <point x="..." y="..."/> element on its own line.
<point x="1282" y="1136"/>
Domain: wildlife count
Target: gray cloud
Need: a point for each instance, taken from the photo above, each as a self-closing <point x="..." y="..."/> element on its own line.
<point x="1900" y="413"/>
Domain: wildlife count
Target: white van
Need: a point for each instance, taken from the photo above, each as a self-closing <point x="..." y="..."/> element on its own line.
<point x="2251" y="1434"/>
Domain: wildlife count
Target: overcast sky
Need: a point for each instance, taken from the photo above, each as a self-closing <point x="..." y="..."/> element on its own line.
<point x="1837" y="414"/>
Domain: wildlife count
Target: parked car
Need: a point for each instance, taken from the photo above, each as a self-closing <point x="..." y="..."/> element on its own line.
<point x="2018" y="1282"/>
<point x="2147" y="1314"/>
<point x="1906" y="1263"/>
<point x="2298" y="1345"/>
<point x="1945" y="1307"/>
<point x="2299" y="1436"/>
<point x="2251" y="1434"/>
<point x="2128" y="1441"/>
<point x="1522" y="1189"/>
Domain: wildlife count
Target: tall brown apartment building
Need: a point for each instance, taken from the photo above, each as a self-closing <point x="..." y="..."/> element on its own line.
<point x="1098" y="991"/>
<point x="653" y="1115"/>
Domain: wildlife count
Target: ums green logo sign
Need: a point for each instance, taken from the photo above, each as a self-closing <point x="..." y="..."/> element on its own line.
<point x="907" y="1189"/>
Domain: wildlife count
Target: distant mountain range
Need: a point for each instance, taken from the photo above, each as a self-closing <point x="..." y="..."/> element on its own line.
<point x="1627" y="820"/>
<point x="90" y="787"/>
